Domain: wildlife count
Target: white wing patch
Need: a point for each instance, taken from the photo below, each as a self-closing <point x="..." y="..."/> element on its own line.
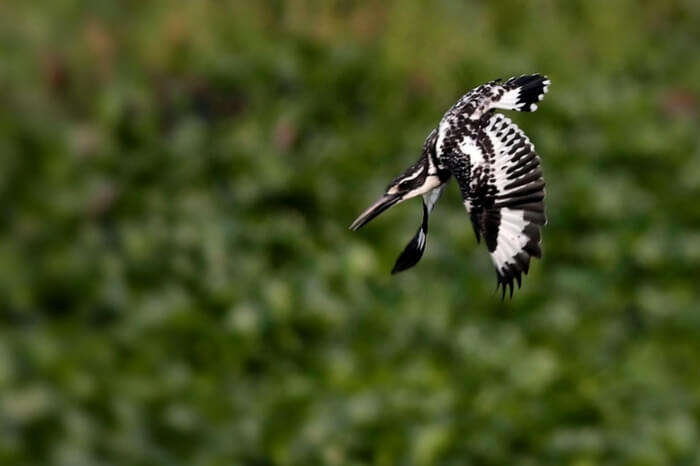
<point x="500" y="177"/>
<point x="469" y="146"/>
<point x="511" y="238"/>
<point x="517" y="93"/>
<point x="518" y="203"/>
<point x="498" y="170"/>
<point x="522" y="98"/>
<point x="509" y="101"/>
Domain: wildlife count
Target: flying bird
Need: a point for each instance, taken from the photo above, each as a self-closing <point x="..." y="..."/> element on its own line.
<point x="496" y="168"/>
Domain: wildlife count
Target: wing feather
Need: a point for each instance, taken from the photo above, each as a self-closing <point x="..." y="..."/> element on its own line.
<point x="520" y="94"/>
<point x="500" y="177"/>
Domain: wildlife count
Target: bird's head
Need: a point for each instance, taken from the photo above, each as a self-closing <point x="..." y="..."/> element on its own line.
<point x="416" y="180"/>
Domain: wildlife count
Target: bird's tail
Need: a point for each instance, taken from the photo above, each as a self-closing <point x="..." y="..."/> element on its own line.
<point x="523" y="93"/>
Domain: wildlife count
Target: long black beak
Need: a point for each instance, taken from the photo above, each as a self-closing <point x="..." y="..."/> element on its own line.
<point x="382" y="204"/>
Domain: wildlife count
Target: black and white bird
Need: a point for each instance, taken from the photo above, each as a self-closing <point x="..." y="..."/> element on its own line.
<point x="498" y="172"/>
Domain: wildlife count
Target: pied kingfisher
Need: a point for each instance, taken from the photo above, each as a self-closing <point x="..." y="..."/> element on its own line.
<point x="498" y="172"/>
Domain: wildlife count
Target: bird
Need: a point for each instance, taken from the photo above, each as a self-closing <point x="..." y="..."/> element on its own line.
<point x="496" y="168"/>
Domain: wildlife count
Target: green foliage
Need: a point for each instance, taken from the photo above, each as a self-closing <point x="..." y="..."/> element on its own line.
<point x="178" y="284"/>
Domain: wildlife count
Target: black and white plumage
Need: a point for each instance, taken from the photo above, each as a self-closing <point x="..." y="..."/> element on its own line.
<point x="415" y="248"/>
<point x="496" y="168"/>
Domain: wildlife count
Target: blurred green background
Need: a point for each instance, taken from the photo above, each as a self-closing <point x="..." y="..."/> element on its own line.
<point x="178" y="284"/>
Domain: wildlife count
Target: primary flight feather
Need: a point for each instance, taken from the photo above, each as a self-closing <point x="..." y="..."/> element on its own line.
<point x="496" y="168"/>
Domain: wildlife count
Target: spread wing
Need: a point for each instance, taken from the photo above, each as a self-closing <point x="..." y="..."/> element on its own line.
<point x="520" y="94"/>
<point x="500" y="177"/>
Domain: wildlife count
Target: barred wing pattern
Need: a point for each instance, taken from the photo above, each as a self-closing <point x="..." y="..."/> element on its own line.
<point x="500" y="177"/>
<point x="518" y="93"/>
<point x="497" y="170"/>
